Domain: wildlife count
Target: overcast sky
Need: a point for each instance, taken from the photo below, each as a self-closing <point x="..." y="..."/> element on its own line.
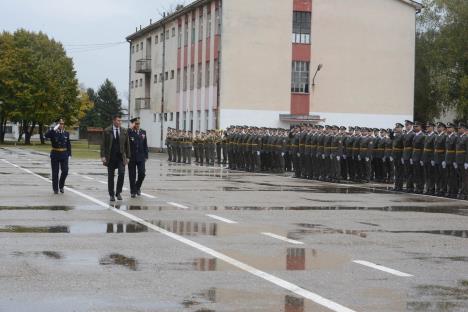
<point x="80" y="24"/>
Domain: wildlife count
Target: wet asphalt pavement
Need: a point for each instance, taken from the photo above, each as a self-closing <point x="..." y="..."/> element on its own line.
<point x="291" y="245"/>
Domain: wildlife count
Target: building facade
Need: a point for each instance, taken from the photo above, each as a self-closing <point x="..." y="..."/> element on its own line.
<point x="216" y="63"/>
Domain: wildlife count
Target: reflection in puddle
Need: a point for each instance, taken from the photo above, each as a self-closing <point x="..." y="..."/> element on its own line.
<point x="118" y="259"/>
<point x="458" y="210"/>
<point x="320" y="229"/>
<point x="291" y="259"/>
<point x="445" y="298"/>
<point x="61" y="208"/>
<point x="39" y="229"/>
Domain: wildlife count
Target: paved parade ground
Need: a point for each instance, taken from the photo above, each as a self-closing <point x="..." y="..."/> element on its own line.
<point x="210" y="239"/>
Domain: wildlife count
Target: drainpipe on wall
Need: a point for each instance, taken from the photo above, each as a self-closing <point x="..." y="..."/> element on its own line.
<point x="129" y="78"/>
<point x="162" y="87"/>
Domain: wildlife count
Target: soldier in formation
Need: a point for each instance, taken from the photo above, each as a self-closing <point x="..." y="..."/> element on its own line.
<point x="419" y="158"/>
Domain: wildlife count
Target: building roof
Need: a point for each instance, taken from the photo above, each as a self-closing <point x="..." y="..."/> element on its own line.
<point x="197" y="3"/>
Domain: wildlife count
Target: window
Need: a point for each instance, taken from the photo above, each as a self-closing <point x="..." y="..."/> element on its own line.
<point x="141" y="46"/>
<point x="193" y="31"/>
<point x="178" y="80"/>
<point x="185" y="79"/>
<point x="171" y="116"/>
<point x="165" y="116"/>
<point x="186" y="34"/>
<point x="301" y="27"/>
<point x="192" y="77"/>
<point x="167" y="34"/>
<point x="208" y="25"/>
<point x="133" y="49"/>
<point x="166" y="75"/>
<point x="200" y="26"/>
<point x="156" y="39"/>
<point x="300" y="77"/>
<point x="218" y="22"/>
<point x="215" y="78"/>
<point x="207" y="74"/>
<point x="137" y="47"/>
<point x="172" y="74"/>
<point x="199" y="76"/>
<point x="180" y="36"/>
<point x="155" y="117"/>
<point x="161" y="77"/>
<point x="131" y="85"/>
<point x="162" y="37"/>
<point x="155" y="78"/>
<point x="173" y="31"/>
<point x="141" y="82"/>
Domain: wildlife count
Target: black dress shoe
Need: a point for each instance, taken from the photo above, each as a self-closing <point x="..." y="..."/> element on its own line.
<point x="62" y="191"/>
<point x="133" y="195"/>
<point x="55" y="192"/>
<point x="119" y="197"/>
<point x="138" y="192"/>
<point x="112" y="198"/>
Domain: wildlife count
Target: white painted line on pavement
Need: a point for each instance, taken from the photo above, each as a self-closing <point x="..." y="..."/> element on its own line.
<point x="102" y="182"/>
<point x="83" y="176"/>
<point x="221" y="218"/>
<point x="177" y="205"/>
<point x="292" y="241"/>
<point x="382" y="268"/>
<point x="243" y="266"/>
<point x="148" y="195"/>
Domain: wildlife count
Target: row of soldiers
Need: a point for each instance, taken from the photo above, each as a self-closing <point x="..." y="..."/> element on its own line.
<point x="433" y="160"/>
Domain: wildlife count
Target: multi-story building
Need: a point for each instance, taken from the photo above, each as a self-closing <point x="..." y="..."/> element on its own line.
<point x="216" y="63"/>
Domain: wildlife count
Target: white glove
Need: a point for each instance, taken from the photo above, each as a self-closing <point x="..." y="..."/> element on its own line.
<point x="56" y="127"/>
<point x="344" y="157"/>
<point x="258" y="153"/>
<point x="421" y="163"/>
<point x="391" y="158"/>
<point x="455" y="165"/>
<point x="432" y="163"/>
<point x="323" y="156"/>
<point x="298" y="154"/>
<point x="466" y="166"/>
<point x="331" y="157"/>
<point x="359" y="157"/>
<point x="282" y="154"/>
<point x="402" y="161"/>
<point x="338" y="158"/>
<point x="444" y="164"/>
<point x="411" y="161"/>
<point x="367" y="159"/>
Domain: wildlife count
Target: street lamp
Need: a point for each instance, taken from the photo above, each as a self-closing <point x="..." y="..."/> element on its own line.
<point x="319" y="67"/>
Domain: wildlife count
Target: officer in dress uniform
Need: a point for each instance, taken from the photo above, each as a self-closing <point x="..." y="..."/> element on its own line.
<point x="450" y="161"/>
<point x="416" y="156"/>
<point x="139" y="155"/>
<point x="428" y="158"/>
<point x="461" y="160"/>
<point x="397" y="156"/>
<point x="59" y="155"/>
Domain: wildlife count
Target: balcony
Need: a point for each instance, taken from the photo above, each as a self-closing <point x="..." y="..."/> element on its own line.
<point x="142" y="103"/>
<point x="143" y="66"/>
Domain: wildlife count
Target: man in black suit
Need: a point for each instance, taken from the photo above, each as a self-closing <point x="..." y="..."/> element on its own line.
<point x="115" y="154"/>
<point x="139" y="155"/>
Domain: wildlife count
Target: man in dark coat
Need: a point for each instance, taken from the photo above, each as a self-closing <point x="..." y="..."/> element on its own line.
<point x="115" y="154"/>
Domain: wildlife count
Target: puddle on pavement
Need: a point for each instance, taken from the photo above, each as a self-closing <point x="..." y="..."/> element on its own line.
<point x="54" y="208"/>
<point x="441" y="298"/>
<point x="307" y="228"/>
<point x="368" y="223"/>
<point x="457" y="210"/>
<point x="5" y="173"/>
<point x="241" y="299"/>
<point x="291" y="259"/>
<point x="119" y="260"/>
<point x="183" y="228"/>
<point x="48" y="254"/>
<point x="443" y="259"/>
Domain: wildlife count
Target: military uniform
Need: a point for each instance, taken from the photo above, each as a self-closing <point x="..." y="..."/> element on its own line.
<point x="450" y="161"/>
<point x="408" y="161"/>
<point x="399" y="162"/>
<point x="418" y="164"/>
<point x="429" y="162"/>
<point x="461" y="159"/>
<point x="59" y="155"/>
<point x="139" y="155"/>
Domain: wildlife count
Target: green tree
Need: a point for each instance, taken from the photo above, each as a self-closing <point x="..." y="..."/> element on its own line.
<point x="37" y="81"/>
<point x="442" y="59"/>
<point x="107" y="104"/>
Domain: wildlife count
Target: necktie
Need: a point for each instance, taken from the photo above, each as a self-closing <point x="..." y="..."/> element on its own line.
<point x="117" y="134"/>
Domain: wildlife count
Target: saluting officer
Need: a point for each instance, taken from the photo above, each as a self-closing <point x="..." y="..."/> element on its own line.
<point x="59" y="155"/>
<point x="138" y="156"/>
